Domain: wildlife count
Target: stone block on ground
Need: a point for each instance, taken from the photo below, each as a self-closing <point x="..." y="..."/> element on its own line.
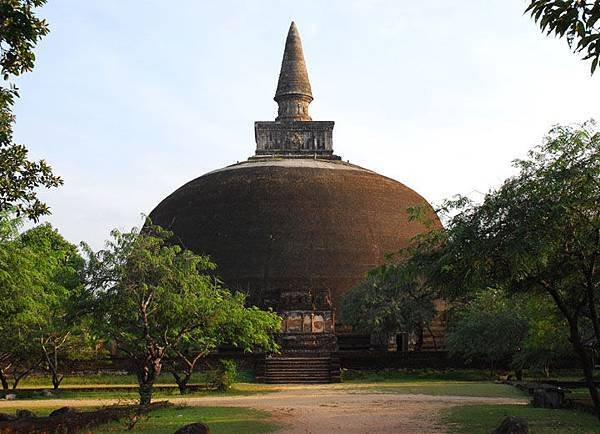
<point x="6" y="417"/>
<point x="24" y="414"/>
<point x="549" y="397"/>
<point x="512" y="425"/>
<point x="194" y="428"/>
<point x="63" y="411"/>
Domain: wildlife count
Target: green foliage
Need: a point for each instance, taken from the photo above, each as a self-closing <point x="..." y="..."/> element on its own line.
<point x="39" y="283"/>
<point x="575" y="19"/>
<point x="494" y="326"/>
<point x="223" y="377"/>
<point x="60" y="331"/>
<point x="20" y="30"/>
<point x="486" y="328"/>
<point x="539" y="233"/>
<point x="547" y="338"/>
<point x="19" y="286"/>
<point x="154" y="300"/>
<point x="230" y="322"/>
<point x="394" y="298"/>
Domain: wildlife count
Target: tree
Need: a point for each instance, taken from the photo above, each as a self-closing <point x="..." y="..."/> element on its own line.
<point x="394" y="298"/>
<point x="547" y="338"/>
<point x="17" y="299"/>
<point x="20" y="30"/>
<point x="58" y="328"/>
<point x="575" y="19"/>
<point x="152" y="298"/>
<point x="39" y="276"/>
<point x="539" y="233"/>
<point x="226" y="322"/>
<point x="486" y="328"/>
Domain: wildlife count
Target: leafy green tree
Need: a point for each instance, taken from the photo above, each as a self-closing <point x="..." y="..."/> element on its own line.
<point x="39" y="277"/>
<point x="539" y="233"/>
<point x="547" y="338"/>
<point x="394" y="298"/>
<point x="59" y="331"/>
<point x="153" y="298"/>
<point x="575" y="19"/>
<point x="20" y="30"/>
<point x="486" y="328"/>
<point x="497" y="327"/>
<point x="18" y="297"/>
<point x="226" y="321"/>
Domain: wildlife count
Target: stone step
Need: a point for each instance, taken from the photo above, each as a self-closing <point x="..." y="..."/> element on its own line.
<point x="297" y="369"/>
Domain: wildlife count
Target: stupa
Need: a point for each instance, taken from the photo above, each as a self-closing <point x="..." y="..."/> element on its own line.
<point x="293" y="226"/>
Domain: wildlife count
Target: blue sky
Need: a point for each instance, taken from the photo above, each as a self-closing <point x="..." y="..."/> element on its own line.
<point x="130" y="99"/>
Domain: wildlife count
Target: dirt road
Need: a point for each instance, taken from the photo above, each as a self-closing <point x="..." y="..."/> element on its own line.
<point x="322" y="411"/>
<point x="325" y="409"/>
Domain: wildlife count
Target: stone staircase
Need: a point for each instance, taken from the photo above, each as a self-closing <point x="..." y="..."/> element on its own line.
<point x="307" y="370"/>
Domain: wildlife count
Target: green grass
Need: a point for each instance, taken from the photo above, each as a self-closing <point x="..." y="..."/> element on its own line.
<point x="477" y="419"/>
<point x="238" y="389"/>
<point x="353" y="376"/>
<point x="452" y="388"/>
<point x="119" y="379"/>
<point x="221" y="420"/>
<point x="457" y="382"/>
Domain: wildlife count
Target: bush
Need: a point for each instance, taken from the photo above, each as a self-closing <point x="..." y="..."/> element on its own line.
<point x="224" y="376"/>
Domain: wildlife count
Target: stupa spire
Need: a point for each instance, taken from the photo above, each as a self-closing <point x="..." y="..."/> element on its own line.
<point x="293" y="89"/>
<point x="294" y="134"/>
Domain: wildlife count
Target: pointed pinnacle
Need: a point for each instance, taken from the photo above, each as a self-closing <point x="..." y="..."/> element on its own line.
<point x="293" y="78"/>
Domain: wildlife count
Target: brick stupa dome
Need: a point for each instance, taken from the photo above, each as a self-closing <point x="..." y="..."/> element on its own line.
<point x="277" y="225"/>
<point x="294" y="226"/>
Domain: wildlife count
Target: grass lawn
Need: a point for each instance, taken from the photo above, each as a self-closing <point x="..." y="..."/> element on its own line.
<point x="459" y="382"/>
<point x="454" y="388"/>
<point x="353" y="376"/>
<point x="238" y="389"/>
<point x="119" y="379"/>
<point x="219" y="419"/>
<point x="477" y="419"/>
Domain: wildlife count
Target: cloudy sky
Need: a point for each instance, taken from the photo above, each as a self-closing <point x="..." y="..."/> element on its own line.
<point x="132" y="98"/>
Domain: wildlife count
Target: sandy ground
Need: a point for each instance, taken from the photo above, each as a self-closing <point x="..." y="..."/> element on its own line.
<point x="322" y="411"/>
<point x="325" y="409"/>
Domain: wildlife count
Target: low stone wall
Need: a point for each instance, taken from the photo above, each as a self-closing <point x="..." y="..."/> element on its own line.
<point x="374" y="360"/>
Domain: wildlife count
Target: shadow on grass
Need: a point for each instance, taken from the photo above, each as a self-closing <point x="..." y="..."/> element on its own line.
<point x="223" y="420"/>
<point x="477" y="419"/>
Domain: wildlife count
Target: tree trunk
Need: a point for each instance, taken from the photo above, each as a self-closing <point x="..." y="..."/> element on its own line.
<point x="420" y="339"/>
<point x="586" y="362"/>
<point x="593" y="312"/>
<point x="183" y="385"/>
<point x="182" y="381"/>
<point x="519" y="374"/>
<point x="146" y="393"/>
<point x="147" y="374"/>
<point x="56" y="380"/>
<point x="4" y="381"/>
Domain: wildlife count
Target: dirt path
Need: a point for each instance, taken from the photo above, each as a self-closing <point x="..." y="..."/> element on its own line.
<point x="323" y="409"/>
